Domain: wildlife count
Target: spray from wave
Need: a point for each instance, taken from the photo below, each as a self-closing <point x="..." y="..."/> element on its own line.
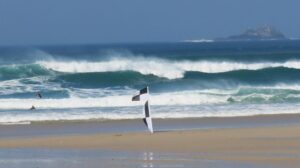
<point x="186" y="80"/>
<point x="161" y="67"/>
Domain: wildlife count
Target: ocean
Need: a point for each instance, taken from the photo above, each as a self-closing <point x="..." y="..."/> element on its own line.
<point x="186" y="79"/>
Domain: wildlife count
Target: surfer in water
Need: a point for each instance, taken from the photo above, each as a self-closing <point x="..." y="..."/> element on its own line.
<point x="32" y="108"/>
<point x="39" y="95"/>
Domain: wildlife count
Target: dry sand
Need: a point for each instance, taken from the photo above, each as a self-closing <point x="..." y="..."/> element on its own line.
<point x="277" y="145"/>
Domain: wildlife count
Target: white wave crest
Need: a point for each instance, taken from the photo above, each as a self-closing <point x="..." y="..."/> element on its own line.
<point x="157" y="67"/>
<point x="200" y="103"/>
<point x="119" y="99"/>
<point x="161" y="67"/>
<point x="177" y="98"/>
<point x="158" y="112"/>
<point x="199" y="41"/>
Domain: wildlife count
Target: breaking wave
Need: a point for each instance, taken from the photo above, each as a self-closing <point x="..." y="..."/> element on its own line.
<point x="161" y="67"/>
<point x="22" y="71"/>
<point x="244" y="101"/>
<point x="86" y="75"/>
<point x="185" y="79"/>
<point x="195" y="97"/>
<point x="134" y="112"/>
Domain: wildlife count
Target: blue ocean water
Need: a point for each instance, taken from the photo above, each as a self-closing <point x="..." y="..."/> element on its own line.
<point x="186" y="79"/>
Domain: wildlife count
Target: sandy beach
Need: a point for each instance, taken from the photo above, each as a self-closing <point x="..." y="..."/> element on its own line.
<point x="277" y="145"/>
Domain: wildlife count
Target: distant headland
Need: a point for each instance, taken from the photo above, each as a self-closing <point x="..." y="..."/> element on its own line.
<point x="265" y="32"/>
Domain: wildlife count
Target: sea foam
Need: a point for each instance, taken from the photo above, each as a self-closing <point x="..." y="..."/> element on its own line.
<point x="179" y="98"/>
<point x="161" y="67"/>
<point x="157" y="112"/>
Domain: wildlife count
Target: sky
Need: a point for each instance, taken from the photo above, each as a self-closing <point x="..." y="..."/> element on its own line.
<point x="43" y="22"/>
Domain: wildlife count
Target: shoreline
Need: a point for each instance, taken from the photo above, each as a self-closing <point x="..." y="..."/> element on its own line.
<point x="144" y="140"/>
<point x="270" y="140"/>
<point x="56" y="128"/>
<point x="277" y="145"/>
<point x="133" y="119"/>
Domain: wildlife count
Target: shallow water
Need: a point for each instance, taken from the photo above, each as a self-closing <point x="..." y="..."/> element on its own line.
<point x="160" y="125"/>
<point x="45" y="158"/>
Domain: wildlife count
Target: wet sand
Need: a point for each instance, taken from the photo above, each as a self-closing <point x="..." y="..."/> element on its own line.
<point x="275" y="145"/>
<point x="56" y="128"/>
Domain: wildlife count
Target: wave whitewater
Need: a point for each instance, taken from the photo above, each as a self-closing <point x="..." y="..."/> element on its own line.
<point x="186" y="80"/>
<point x="161" y="67"/>
<point x="186" y="74"/>
<point x="146" y="66"/>
<point x="18" y="117"/>
<point x="195" y="97"/>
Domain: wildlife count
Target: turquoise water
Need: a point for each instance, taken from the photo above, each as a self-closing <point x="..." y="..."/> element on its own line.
<point x="186" y="80"/>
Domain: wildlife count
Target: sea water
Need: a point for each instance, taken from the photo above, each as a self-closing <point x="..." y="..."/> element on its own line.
<point x="186" y="79"/>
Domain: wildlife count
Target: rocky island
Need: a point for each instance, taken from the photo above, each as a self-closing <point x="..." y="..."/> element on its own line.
<point x="265" y="32"/>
